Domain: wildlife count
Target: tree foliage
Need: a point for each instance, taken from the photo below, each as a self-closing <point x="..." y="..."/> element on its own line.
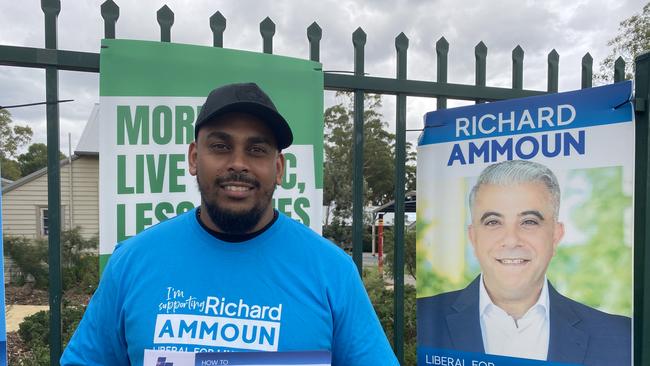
<point x="11" y="139"/>
<point x="633" y="38"/>
<point x="378" y="164"/>
<point x="34" y="159"/>
<point x="409" y="250"/>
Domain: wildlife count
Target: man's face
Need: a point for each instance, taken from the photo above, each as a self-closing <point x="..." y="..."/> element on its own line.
<point x="514" y="234"/>
<point x="237" y="165"/>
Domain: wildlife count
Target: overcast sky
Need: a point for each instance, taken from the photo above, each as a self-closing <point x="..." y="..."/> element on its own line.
<point x="570" y="27"/>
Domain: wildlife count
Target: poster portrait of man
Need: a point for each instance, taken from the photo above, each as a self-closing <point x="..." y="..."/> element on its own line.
<point x="511" y="308"/>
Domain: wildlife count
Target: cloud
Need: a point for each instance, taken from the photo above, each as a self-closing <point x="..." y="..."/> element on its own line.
<point x="572" y="28"/>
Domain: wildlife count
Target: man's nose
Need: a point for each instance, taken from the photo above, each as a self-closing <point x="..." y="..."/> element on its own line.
<point x="511" y="236"/>
<point x="238" y="161"/>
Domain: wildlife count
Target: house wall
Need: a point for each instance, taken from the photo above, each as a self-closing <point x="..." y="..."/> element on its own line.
<point x="21" y="206"/>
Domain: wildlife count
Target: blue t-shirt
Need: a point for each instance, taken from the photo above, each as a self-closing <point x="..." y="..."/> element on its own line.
<point x="177" y="287"/>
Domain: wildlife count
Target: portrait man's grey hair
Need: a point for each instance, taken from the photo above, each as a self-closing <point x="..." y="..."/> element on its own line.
<point x="517" y="172"/>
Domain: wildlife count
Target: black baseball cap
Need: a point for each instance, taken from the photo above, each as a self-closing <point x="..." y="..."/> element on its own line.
<point x="246" y="98"/>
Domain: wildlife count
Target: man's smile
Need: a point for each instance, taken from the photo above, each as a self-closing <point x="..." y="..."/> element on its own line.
<point x="512" y="261"/>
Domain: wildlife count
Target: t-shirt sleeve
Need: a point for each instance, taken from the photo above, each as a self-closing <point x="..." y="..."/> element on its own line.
<point x="99" y="338"/>
<point x="359" y="339"/>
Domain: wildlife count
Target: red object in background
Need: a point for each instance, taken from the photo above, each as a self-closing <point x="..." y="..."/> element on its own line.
<point x="380" y="244"/>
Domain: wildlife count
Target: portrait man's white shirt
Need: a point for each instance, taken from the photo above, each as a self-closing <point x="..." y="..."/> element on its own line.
<point x="526" y="337"/>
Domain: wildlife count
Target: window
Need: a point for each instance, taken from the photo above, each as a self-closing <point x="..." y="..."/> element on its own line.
<point x="43" y="222"/>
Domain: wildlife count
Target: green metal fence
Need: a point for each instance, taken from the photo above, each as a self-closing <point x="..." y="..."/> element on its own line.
<point x="52" y="60"/>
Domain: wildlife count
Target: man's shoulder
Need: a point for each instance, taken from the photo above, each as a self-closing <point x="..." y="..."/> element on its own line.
<point x="590" y="318"/>
<point x="303" y="237"/>
<point x="440" y="301"/>
<point x="444" y="303"/>
<point x="154" y="236"/>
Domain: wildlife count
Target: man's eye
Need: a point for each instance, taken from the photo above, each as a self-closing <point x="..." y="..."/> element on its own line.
<point x="218" y="146"/>
<point x="257" y="150"/>
<point x="491" y="222"/>
<point x="530" y="222"/>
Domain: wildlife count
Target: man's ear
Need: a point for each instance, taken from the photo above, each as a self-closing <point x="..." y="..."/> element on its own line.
<point x="471" y="234"/>
<point x="279" y="168"/>
<point x="558" y="234"/>
<point x="192" y="157"/>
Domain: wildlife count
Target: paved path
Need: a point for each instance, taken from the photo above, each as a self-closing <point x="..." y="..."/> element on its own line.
<point x="15" y="314"/>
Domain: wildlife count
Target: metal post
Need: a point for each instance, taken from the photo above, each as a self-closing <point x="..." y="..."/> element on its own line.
<point x="401" y="45"/>
<point x="587" y="71"/>
<point x="218" y="26"/>
<point x="641" y="218"/>
<point x="70" y="184"/>
<point x="165" y="17"/>
<point x="314" y="35"/>
<point x="518" y="68"/>
<point x="480" y="54"/>
<point x="553" y="71"/>
<point x="359" y="42"/>
<point x="442" y="52"/>
<point x="110" y="12"/>
<point x="619" y="69"/>
<point x="267" y="30"/>
<point x="51" y="10"/>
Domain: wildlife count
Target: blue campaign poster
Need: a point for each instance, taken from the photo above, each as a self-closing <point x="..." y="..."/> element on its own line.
<point x="3" y="325"/>
<point x="524" y="231"/>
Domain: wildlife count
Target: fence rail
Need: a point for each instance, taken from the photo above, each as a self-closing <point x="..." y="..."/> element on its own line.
<point x="52" y="60"/>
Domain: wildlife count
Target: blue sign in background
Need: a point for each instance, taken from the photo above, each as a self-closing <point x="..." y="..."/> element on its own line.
<point x="595" y="106"/>
<point x="3" y="325"/>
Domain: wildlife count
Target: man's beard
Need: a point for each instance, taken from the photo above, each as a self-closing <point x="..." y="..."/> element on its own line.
<point x="231" y="221"/>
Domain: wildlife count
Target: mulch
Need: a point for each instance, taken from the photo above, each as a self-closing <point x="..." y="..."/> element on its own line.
<point x="16" y="349"/>
<point x="26" y="295"/>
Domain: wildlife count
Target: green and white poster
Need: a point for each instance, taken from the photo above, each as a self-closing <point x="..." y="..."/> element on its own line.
<point x="150" y="96"/>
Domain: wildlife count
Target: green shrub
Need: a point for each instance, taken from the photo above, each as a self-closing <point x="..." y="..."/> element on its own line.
<point x="30" y="256"/>
<point x="80" y="269"/>
<point x="35" y="332"/>
<point x="382" y="299"/>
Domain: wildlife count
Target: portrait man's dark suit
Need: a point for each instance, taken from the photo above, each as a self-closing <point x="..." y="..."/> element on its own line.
<point x="578" y="334"/>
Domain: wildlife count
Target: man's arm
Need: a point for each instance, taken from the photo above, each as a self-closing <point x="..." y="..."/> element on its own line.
<point x="99" y="338"/>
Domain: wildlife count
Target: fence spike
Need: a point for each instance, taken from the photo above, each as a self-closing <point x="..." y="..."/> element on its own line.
<point x="518" y="68"/>
<point x="359" y="37"/>
<point x="619" y="69"/>
<point x="553" y="72"/>
<point x="165" y="17"/>
<point x="51" y="6"/>
<point x="218" y="26"/>
<point x="267" y="30"/>
<point x="110" y="13"/>
<point x="587" y="70"/>
<point x="442" y="51"/>
<point x="401" y="42"/>
<point x="314" y="35"/>
<point x="480" y="53"/>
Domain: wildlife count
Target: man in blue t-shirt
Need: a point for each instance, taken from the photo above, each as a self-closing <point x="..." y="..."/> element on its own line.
<point x="233" y="274"/>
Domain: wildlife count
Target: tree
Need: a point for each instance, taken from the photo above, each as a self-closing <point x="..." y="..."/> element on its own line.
<point x="10" y="168"/>
<point x="632" y="39"/>
<point x="409" y="250"/>
<point x="378" y="165"/>
<point x="34" y="159"/>
<point x="11" y="139"/>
